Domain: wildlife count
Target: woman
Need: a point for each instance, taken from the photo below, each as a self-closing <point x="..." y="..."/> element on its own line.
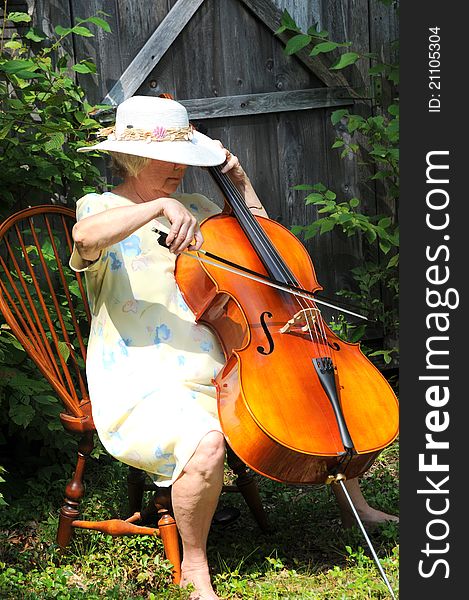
<point x="149" y="365"/>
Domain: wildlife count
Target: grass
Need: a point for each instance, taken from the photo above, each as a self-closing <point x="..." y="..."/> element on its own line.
<point x="307" y="556"/>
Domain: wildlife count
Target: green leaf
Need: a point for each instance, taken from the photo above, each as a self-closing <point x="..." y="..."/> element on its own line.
<point x="323" y="47"/>
<point x="5" y="130"/>
<point x="100" y="23"/>
<point x="83" y="31"/>
<point x="385" y="246"/>
<point x="83" y="68"/>
<point x="297" y="43"/>
<point x="354" y="123"/>
<point x="314" y="198"/>
<point x="377" y="69"/>
<point x="303" y="186"/>
<point x="18" y="17"/>
<point x="64" y="350"/>
<point x="327" y="225"/>
<point x="357" y="334"/>
<point x="319" y="187"/>
<point x="354" y="202"/>
<point x="14" y="66"/>
<point x="330" y="195"/>
<point x="393" y="262"/>
<point x="21" y="414"/>
<point x="13" y="44"/>
<point x="337" y="115"/>
<point x="29" y="75"/>
<point x="338" y="144"/>
<point x="62" y="31"/>
<point x="36" y="35"/>
<point x="345" y="217"/>
<point x="346" y="59"/>
<point x="385" y="222"/>
<point x="287" y="22"/>
<point x="55" y="141"/>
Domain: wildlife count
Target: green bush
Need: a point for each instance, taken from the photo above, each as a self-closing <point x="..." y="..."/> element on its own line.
<point x="44" y="118"/>
<point x="375" y="142"/>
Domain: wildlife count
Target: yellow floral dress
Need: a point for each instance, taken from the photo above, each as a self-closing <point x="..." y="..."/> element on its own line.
<point x="149" y="364"/>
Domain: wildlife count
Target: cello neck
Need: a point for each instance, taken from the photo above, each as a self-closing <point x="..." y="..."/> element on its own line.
<point x="270" y="258"/>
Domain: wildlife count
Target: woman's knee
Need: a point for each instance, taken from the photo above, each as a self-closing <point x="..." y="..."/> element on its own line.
<point x="210" y="453"/>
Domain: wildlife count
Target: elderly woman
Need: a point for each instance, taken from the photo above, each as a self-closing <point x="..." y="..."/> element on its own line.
<point x="150" y="365"/>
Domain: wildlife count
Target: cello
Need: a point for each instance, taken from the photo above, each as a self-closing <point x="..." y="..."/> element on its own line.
<point x="296" y="403"/>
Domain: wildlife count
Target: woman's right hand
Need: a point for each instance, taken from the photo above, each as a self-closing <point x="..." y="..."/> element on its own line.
<point x="184" y="232"/>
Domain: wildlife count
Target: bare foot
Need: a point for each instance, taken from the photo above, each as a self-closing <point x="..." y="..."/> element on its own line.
<point x="369" y="517"/>
<point x="199" y="577"/>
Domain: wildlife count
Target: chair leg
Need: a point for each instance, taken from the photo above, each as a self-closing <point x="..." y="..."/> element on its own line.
<point x="247" y="485"/>
<point x="168" y="531"/>
<point x="135" y="489"/>
<point x="74" y="492"/>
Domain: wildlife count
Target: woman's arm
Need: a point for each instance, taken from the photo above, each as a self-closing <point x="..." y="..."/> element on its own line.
<point x="238" y="176"/>
<point x="97" y="232"/>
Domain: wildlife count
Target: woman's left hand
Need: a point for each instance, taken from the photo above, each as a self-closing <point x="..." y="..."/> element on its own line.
<point x="233" y="169"/>
<point x="238" y="176"/>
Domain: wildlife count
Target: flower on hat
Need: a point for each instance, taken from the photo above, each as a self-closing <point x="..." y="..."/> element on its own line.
<point x="159" y="132"/>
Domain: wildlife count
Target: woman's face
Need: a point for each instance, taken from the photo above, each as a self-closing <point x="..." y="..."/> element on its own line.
<point x="161" y="176"/>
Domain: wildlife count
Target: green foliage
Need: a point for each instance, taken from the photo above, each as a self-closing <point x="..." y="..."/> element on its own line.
<point x="374" y="141"/>
<point x="44" y="116"/>
<point x="308" y="555"/>
<point x="319" y="43"/>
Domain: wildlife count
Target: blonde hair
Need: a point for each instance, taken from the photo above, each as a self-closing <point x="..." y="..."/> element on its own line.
<point x="128" y="165"/>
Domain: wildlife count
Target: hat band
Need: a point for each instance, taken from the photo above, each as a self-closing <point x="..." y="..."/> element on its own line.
<point x="158" y="134"/>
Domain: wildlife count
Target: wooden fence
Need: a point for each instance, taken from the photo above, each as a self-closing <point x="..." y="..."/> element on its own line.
<point x="222" y="60"/>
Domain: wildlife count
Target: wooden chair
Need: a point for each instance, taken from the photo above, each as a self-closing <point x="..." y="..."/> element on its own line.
<point x="45" y="305"/>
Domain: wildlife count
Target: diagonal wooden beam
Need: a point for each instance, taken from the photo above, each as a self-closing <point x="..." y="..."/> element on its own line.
<point x="271" y="16"/>
<point x="152" y="52"/>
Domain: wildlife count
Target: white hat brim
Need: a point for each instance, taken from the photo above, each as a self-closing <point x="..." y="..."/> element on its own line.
<point x="200" y="151"/>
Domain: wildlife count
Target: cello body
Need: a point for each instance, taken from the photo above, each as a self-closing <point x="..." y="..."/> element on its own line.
<point x="273" y="403"/>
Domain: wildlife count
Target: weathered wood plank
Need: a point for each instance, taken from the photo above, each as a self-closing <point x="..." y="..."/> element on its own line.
<point x="347" y="21"/>
<point x="104" y="48"/>
<point x="271" y="102"/>
<point x="154" y="49"/>
<point x="271" y="16"/>
<point x="383" y="37"/>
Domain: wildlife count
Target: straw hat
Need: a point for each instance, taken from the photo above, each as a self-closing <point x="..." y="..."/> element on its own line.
<point x="158" y="128"/>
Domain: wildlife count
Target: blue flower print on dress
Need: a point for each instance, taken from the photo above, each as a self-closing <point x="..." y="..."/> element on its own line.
<point x="114" y="443"/>
<point x="116" y="263"/>
<point x="181" y="360"/>
<point x="162" y="334"/>
<point x="181" y="302"/>
<point x="131" y="246"/>
<point x="206" y="345"/>
<point x="123" y="346"/>
<point x="167" y="470"/>
<point x="108" y="359"/>
<point x="194" y="208"/>
<point x="160" y="454"/>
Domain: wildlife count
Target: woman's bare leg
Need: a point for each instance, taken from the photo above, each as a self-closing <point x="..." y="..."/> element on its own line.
<point x="195" y="497"/>
<point x="369" y="515"/>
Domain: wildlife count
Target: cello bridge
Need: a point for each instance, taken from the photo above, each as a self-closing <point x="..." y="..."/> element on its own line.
<point x="305" y="320"/>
